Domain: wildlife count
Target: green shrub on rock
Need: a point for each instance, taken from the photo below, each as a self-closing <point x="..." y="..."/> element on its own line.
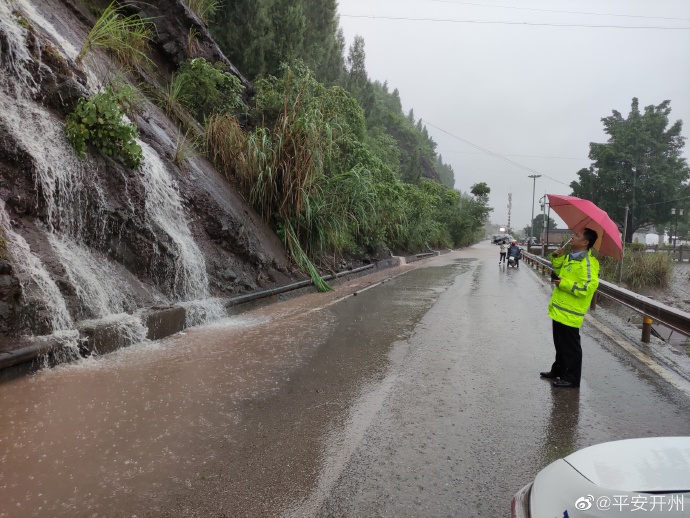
<point x="206" y="89"/>
<point x="99" y="122"/>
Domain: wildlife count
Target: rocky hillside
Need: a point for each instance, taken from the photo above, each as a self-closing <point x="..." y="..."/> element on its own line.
<point x="91" y="238"/>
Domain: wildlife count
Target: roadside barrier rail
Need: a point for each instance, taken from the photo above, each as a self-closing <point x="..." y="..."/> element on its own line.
<point x="650" y="309"/>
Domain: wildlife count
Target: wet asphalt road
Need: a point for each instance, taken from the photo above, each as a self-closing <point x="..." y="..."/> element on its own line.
<point x="417" y="397"/>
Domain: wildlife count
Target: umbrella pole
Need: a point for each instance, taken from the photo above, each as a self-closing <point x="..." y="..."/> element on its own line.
<point x="625" y="228"/>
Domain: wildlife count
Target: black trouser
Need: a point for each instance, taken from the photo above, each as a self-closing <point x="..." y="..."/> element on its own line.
<point x="568" y="364"/>
<point x="502" y="257"/>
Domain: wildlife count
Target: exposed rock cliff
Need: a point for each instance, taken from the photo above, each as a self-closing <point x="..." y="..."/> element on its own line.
<point x="91" y="238"/>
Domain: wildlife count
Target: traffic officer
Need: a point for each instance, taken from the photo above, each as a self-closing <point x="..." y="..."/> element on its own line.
<point x="576" y="279"/>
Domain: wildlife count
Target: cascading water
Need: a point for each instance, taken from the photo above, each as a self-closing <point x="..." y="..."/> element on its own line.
<point x="74" y="204"/>
<point x="32" y="267"/>
<point x="17" y="56"/>
<point x="98" y="284"/>
<point x="164" y="209"/>
<point x="189" y="281"/>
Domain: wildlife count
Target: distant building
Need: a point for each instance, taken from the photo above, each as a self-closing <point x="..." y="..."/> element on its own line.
<point x="556" y="236"/>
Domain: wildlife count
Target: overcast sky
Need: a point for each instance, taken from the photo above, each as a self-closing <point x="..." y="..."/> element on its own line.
<point x="534" y="94"/>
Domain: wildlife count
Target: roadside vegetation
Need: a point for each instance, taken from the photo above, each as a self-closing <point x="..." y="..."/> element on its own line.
<point x="641" y="270"/>
<point x="326" y="156"/>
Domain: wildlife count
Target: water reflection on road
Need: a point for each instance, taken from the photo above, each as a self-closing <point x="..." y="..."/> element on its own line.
<point x="418" y="397"/>
<point x="167" y="423"/>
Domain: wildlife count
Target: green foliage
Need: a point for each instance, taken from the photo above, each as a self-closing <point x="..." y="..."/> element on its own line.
<point x="537" y="225"/>
<point x="311" y="172"/>
<point x="641" y="270"/>
<point x="98" y="121"/>
<point x="128" y="96"/>
<point x="204" y="9"/>
<point x="206" y="89"/>
<point x="481" y="190"/>
<point x="257" y="35"/>
<point x="641" y="165"/>
<point x="127" y="37"/>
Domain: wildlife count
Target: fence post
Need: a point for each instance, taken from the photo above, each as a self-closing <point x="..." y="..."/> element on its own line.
<point x="646" y="329"/>
<point x="680" y="254"/>
<point x="593" y="304"/>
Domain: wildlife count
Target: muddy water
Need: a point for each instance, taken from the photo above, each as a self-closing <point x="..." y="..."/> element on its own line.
<point x="229" y="418"/>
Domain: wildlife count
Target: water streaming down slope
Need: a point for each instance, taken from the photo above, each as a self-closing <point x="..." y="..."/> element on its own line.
<point x="75" y="203"/>
<point x="32" y="267"/>
<point x="189" y="281"/>
<point x="17" y="57"/>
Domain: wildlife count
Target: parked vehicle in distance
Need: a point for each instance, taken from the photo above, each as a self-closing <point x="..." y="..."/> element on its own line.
<point x="497" y="238"/>
<point x="649" y="475"/>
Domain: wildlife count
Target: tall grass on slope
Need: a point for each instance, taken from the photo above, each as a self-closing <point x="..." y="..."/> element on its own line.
<point x="127" y="37"/>
<point x="275" y="170"/>
<point x="204" y="9"/>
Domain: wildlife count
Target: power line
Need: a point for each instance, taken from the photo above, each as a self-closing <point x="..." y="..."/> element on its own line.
<point x="495" y="155"/>
<point x="398" y="18"/>
<point x="505" y="154"/>
<point x="564" y="12"/>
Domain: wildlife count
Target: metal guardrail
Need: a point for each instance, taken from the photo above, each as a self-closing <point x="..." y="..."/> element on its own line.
<point x="671" y="317"/>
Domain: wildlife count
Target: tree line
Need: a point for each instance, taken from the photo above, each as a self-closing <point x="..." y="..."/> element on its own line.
<point x="274" y="42"/>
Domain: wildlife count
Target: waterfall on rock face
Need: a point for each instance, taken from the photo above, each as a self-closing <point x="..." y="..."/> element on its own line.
<point x="17" y="57"/>
<point x="76" y="209"/>
<point x="98" y="284"/>
<point x="32" y="268"/>
<point x="164" y="209"/>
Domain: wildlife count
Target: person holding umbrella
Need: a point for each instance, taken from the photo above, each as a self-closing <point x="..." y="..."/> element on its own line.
<point x="576" y="278"/>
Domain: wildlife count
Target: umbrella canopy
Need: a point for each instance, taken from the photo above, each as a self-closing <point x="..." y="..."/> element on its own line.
<point x="579" y="214"/>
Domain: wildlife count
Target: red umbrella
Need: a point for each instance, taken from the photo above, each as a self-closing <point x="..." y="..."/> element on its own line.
<point x="579" y="214"/>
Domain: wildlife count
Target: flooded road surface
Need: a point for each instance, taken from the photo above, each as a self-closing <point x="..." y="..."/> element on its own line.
<point x="417" y="397"/>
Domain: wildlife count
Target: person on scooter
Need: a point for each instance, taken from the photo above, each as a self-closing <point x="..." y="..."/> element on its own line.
<point x="514" y="251"/>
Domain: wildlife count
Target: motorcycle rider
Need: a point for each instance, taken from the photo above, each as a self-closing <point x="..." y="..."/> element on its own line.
<point x="514" y="251"/>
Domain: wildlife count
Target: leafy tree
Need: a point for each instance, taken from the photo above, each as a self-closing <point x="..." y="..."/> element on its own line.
<point x="481" y="190"/>
<point x="324" y="43"/>
<point x="640" y="166"/>
<point x="537" y="225"/>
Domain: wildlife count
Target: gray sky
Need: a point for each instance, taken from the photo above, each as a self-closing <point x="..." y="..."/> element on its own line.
<point x="534" y="94"/>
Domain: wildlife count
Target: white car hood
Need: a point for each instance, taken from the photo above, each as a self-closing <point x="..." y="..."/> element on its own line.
<point x="640" y="465"/>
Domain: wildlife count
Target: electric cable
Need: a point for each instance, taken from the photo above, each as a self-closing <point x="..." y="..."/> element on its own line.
<point x="399" y="18"/>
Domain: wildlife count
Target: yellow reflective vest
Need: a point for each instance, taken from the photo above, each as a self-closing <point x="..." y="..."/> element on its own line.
<point x="579" y="280"/>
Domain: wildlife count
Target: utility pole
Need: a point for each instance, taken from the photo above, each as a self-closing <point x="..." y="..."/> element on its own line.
<point x="625" y="228"/>
<point x="534" y="184"/>
<point x="510" y="206"/>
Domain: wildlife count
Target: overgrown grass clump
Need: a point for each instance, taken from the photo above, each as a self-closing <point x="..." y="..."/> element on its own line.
<point x="99" y="122"/>
<point x="641" y="269"/>
<point x="127" y="37"/>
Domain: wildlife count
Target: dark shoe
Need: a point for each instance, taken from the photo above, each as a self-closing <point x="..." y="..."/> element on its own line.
<point x="564" y="384"/>
<point x="547" y="375"/>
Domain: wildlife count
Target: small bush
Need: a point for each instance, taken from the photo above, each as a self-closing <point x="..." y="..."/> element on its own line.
<point x="98" y="121"/>
<point x="206" y="89"/>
